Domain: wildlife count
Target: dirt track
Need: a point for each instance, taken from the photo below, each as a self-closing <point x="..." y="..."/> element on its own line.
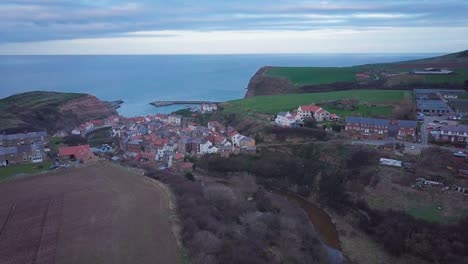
<point x="97" y="214"/>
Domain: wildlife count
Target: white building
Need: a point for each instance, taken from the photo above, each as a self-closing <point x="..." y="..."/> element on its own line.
<point x="175" y="119"/>
<point x="390" y="162"/>
<point x="207" y="108"/>
<point x="318" y="113"/>
<point x="285" y="119"/>
<point x="208" y="148"/>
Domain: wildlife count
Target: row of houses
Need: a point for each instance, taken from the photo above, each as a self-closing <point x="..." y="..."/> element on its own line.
<point x="380" y="129"/>
<point x="287" y="119"/>
<point x="455" y="134"/>
<point x="22" y="148"/>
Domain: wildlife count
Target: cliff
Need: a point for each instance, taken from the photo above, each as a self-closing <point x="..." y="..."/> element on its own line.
<point x="261" y="84"/>
<point x="50" y="110"/>
<point x="282" y="80"/>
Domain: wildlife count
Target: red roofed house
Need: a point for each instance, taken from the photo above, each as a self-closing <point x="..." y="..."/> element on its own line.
<point x="80" y="153"/>
<point x="361" y="76"/>
<point x="314" y="111"/>
<point x="334" y="117"/>
<point x="97" y="123"/>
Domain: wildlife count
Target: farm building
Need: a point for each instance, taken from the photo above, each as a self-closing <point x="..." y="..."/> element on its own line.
<point x="451" y="94"/>
<point x="460" y="106"/>
<point x="426" y="94"/>
<point x="433" y="71"/>
<point x="433" y="107"/>
<point x="78" y="153"/>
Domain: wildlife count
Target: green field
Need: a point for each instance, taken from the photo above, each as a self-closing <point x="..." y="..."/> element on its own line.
<point x="315" y="75"/>
<point x="460" y="76"/>
<point x="9" y="171"/>
<point x="278" y="103"/>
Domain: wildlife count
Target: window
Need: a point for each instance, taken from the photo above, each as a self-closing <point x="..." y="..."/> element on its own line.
<point x="460" y="139"/>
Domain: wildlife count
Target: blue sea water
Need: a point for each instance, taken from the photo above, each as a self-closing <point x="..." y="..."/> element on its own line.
<point x="139" y="80"/>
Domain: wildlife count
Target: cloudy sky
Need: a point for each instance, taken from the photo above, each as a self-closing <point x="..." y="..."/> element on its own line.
<point x="231" y="27"/>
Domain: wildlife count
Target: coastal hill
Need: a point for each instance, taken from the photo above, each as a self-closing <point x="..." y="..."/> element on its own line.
<point x="401" y="75"/>
<point x="50" y="110"/>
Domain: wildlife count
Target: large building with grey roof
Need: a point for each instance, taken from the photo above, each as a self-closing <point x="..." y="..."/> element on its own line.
<point x="433" y="107"/>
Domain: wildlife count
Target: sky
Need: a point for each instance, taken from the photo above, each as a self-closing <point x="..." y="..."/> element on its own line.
<point x="232" y="27"/>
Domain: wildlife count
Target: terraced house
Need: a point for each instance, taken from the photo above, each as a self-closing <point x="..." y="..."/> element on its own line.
<point x="22" y="148"/>
<point x="455" y="134"/>
<point x="380" y="129"/>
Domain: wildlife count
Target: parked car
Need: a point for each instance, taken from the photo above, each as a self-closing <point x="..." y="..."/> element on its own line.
<point x="436" y="121"/>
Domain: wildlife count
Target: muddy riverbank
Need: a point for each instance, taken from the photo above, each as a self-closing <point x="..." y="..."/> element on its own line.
<point x="321" y="221"/>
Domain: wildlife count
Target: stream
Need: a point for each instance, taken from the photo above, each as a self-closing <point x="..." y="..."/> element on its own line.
<point x="322" y="223"/>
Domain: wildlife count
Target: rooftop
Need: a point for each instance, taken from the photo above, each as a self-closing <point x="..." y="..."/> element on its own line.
<point x="366" y="120"/>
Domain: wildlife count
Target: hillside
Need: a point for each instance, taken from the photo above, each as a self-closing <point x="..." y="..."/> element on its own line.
<point x="281" y="80"/>
<point x="372" y="103"/>
<point x="50" y="110"/>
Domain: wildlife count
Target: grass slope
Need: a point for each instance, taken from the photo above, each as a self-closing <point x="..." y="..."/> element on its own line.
<point x="315" y="75"/>
<point x="16" y="108"/>
<point x="384" y="99"/>
<point x="460" y="76"/>
<point x="7" y="172"/>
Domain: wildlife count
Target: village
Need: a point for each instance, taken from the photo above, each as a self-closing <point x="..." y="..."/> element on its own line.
<point x="172" y="142"/>
<point x="163" y="141"/>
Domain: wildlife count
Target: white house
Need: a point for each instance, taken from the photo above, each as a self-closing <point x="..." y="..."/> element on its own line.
<point x="175" y="119"/>
<point x="170" y="147"/>
<point x="207" y="108"/>
<point x="160" y="153"/>
<point x="208" y="148"/>
<point x="76" y="132"/>
<point x="320" y="114"/>
<point x="236" y="139"/>
<point x="285" y="119"/>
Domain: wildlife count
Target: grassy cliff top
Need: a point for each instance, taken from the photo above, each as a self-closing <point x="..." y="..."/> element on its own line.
<point x="37" y="99"/>
<point x="303" y="76"/>
<point x="34" y="110"/>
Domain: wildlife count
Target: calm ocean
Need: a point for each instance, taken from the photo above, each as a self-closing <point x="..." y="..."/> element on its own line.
<point x="138" y="80"/>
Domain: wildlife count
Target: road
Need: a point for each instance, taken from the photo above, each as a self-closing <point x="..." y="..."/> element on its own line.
<point x="408" y="145"/>
<point x="427" y="121"/>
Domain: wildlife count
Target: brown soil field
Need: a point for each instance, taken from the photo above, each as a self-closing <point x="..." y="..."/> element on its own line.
<point x="96" y="214"/>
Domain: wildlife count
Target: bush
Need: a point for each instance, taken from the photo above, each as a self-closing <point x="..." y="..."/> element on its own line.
<point x="403" y="234"/>
<point x="189" y="176"/>
<point x="221" y="225"/>
<point x="75" y="140"/>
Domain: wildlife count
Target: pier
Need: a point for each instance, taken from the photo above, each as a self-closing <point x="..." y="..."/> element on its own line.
<point x="168" y="103"/>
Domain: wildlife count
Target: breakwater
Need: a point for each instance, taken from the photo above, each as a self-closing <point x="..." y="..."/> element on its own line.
<point x="167" y="103"/>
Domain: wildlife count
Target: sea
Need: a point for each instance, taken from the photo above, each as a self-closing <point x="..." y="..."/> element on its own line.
<point x="141" y="79"/>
